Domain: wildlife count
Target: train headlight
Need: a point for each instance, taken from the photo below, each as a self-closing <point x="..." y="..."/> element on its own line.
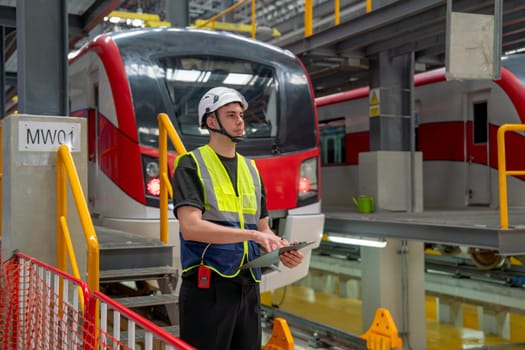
<point x="151" y="172"/>
<point x="152" y="169"/>
<point x="307" y="186"/>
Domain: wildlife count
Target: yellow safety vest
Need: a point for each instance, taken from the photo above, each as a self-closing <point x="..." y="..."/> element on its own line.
<point x="223" y="206"/>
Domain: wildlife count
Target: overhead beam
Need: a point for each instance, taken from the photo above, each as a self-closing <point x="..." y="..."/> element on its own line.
<point x="363" y="24"/>
<point x="93" y="15"/>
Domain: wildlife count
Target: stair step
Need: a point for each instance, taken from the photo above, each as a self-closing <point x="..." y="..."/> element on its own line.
<point x="139" y="333"/>
<point x="148" y="300"/>
<point x="120" y="249"/>
<point x="136" y="274"/>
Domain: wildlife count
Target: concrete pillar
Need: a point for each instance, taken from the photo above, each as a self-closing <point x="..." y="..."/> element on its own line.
<point x="393" y="278"/>
<point x="29" y="151"/>
<point x="42" y="47"/>
<point x="330" y="284"/>
<point x="387" y="176"/>
<point x="318" y="282"/>
<point x="496" y="322"/>
<point x="390" y="102"/>
<point x="350" y="289"/>
<point x="177" y="13"/>
<point x="450" y="312"/>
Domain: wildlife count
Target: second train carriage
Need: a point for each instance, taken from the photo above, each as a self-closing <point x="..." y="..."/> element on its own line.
<point x="121" y="81"/>
<point x="456" y="125"/>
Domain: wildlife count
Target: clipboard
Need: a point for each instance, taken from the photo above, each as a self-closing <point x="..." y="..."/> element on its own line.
<point x="272" y="258"/>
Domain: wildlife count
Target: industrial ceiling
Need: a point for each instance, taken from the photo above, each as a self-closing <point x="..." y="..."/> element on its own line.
<point x="336" y="56"/>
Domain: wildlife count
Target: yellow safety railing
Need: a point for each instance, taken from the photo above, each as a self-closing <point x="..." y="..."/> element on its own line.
<point x="166" y="129"/>
<point x="66" y="170"/>
<point x="309" y="14"/>
<point x="503" y="172"/>
<point x="211" y="21"/>
<point x="148" y="19"/>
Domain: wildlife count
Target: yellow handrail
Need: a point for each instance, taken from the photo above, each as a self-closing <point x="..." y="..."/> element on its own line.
<point x="212" y="20"/>
<point x="503" y="172"/>
<point x="66" y="169"/>
<point x="166" y="129"/>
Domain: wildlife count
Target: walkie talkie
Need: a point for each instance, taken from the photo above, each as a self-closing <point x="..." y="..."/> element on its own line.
<point x="204" y="277"/>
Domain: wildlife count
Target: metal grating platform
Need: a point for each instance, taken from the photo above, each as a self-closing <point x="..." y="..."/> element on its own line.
<point x="473" y="227"/>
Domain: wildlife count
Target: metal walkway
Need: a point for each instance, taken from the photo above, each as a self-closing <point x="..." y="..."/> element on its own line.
<point x="473" y="227"/>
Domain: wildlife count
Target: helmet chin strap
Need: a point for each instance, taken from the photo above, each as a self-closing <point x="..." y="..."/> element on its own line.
<point x="234" y="139"/>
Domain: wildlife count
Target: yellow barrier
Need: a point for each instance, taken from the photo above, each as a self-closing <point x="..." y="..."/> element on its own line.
<point x="166" y="129"/>
<point x="281" y="338"/>
<point x="503" y="172"/>
<point x="382" y="334"/>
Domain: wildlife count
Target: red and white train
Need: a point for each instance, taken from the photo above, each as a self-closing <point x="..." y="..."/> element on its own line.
<point x="121" y="81"/>
<point x="456" y="126"/>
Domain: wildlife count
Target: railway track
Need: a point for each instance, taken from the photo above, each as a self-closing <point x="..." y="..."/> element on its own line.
<point x="310" y="334"/>
<point x="453" y="266"/>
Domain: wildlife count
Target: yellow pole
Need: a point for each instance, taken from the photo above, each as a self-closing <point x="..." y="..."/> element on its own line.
<point x="254" y="20"/>
<point x="503" y="172"/>
<point x="61" y="210"/>
<point x="368" y="6"/>
<point x="502" y="178"/>
<point x="166" y="130"/>
<point x="163" y="165"/>
<point x="308" y="17"/>
<point x="337" y="12"/>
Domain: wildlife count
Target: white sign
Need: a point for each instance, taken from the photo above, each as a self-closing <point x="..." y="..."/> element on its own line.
<point x="48" y="136"/>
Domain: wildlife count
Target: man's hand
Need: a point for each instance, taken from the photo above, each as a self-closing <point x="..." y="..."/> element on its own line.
<point x="291" y="258"/>
<point x="269" y="241"/>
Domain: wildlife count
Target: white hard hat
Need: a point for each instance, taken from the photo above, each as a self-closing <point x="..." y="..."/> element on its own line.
<point x="216" y="98"/>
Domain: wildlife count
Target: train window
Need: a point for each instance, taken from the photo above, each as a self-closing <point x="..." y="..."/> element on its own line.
<point x="188" y="78"/>
<point x="480" y="118"/>
<point x="333" y="142"/>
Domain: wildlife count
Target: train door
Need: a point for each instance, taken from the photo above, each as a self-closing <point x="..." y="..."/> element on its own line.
<point x="477" y="150"/>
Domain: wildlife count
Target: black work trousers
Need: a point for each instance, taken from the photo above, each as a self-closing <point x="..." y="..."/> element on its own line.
<point x="226" y="316"/>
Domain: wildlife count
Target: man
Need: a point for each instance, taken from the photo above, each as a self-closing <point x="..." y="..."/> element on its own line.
<point x="219" y="200"/>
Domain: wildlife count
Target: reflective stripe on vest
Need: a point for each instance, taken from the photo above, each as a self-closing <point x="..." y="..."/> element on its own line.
<point x="223" y="206"/>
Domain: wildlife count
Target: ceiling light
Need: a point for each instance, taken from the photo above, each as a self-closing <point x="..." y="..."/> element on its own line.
<point x="361" y="241"/>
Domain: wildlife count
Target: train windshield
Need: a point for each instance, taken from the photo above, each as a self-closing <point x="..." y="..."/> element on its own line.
<point x="514" y="63"/>
<point x="280" y="116"/>
<point x="188" y="78"/>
